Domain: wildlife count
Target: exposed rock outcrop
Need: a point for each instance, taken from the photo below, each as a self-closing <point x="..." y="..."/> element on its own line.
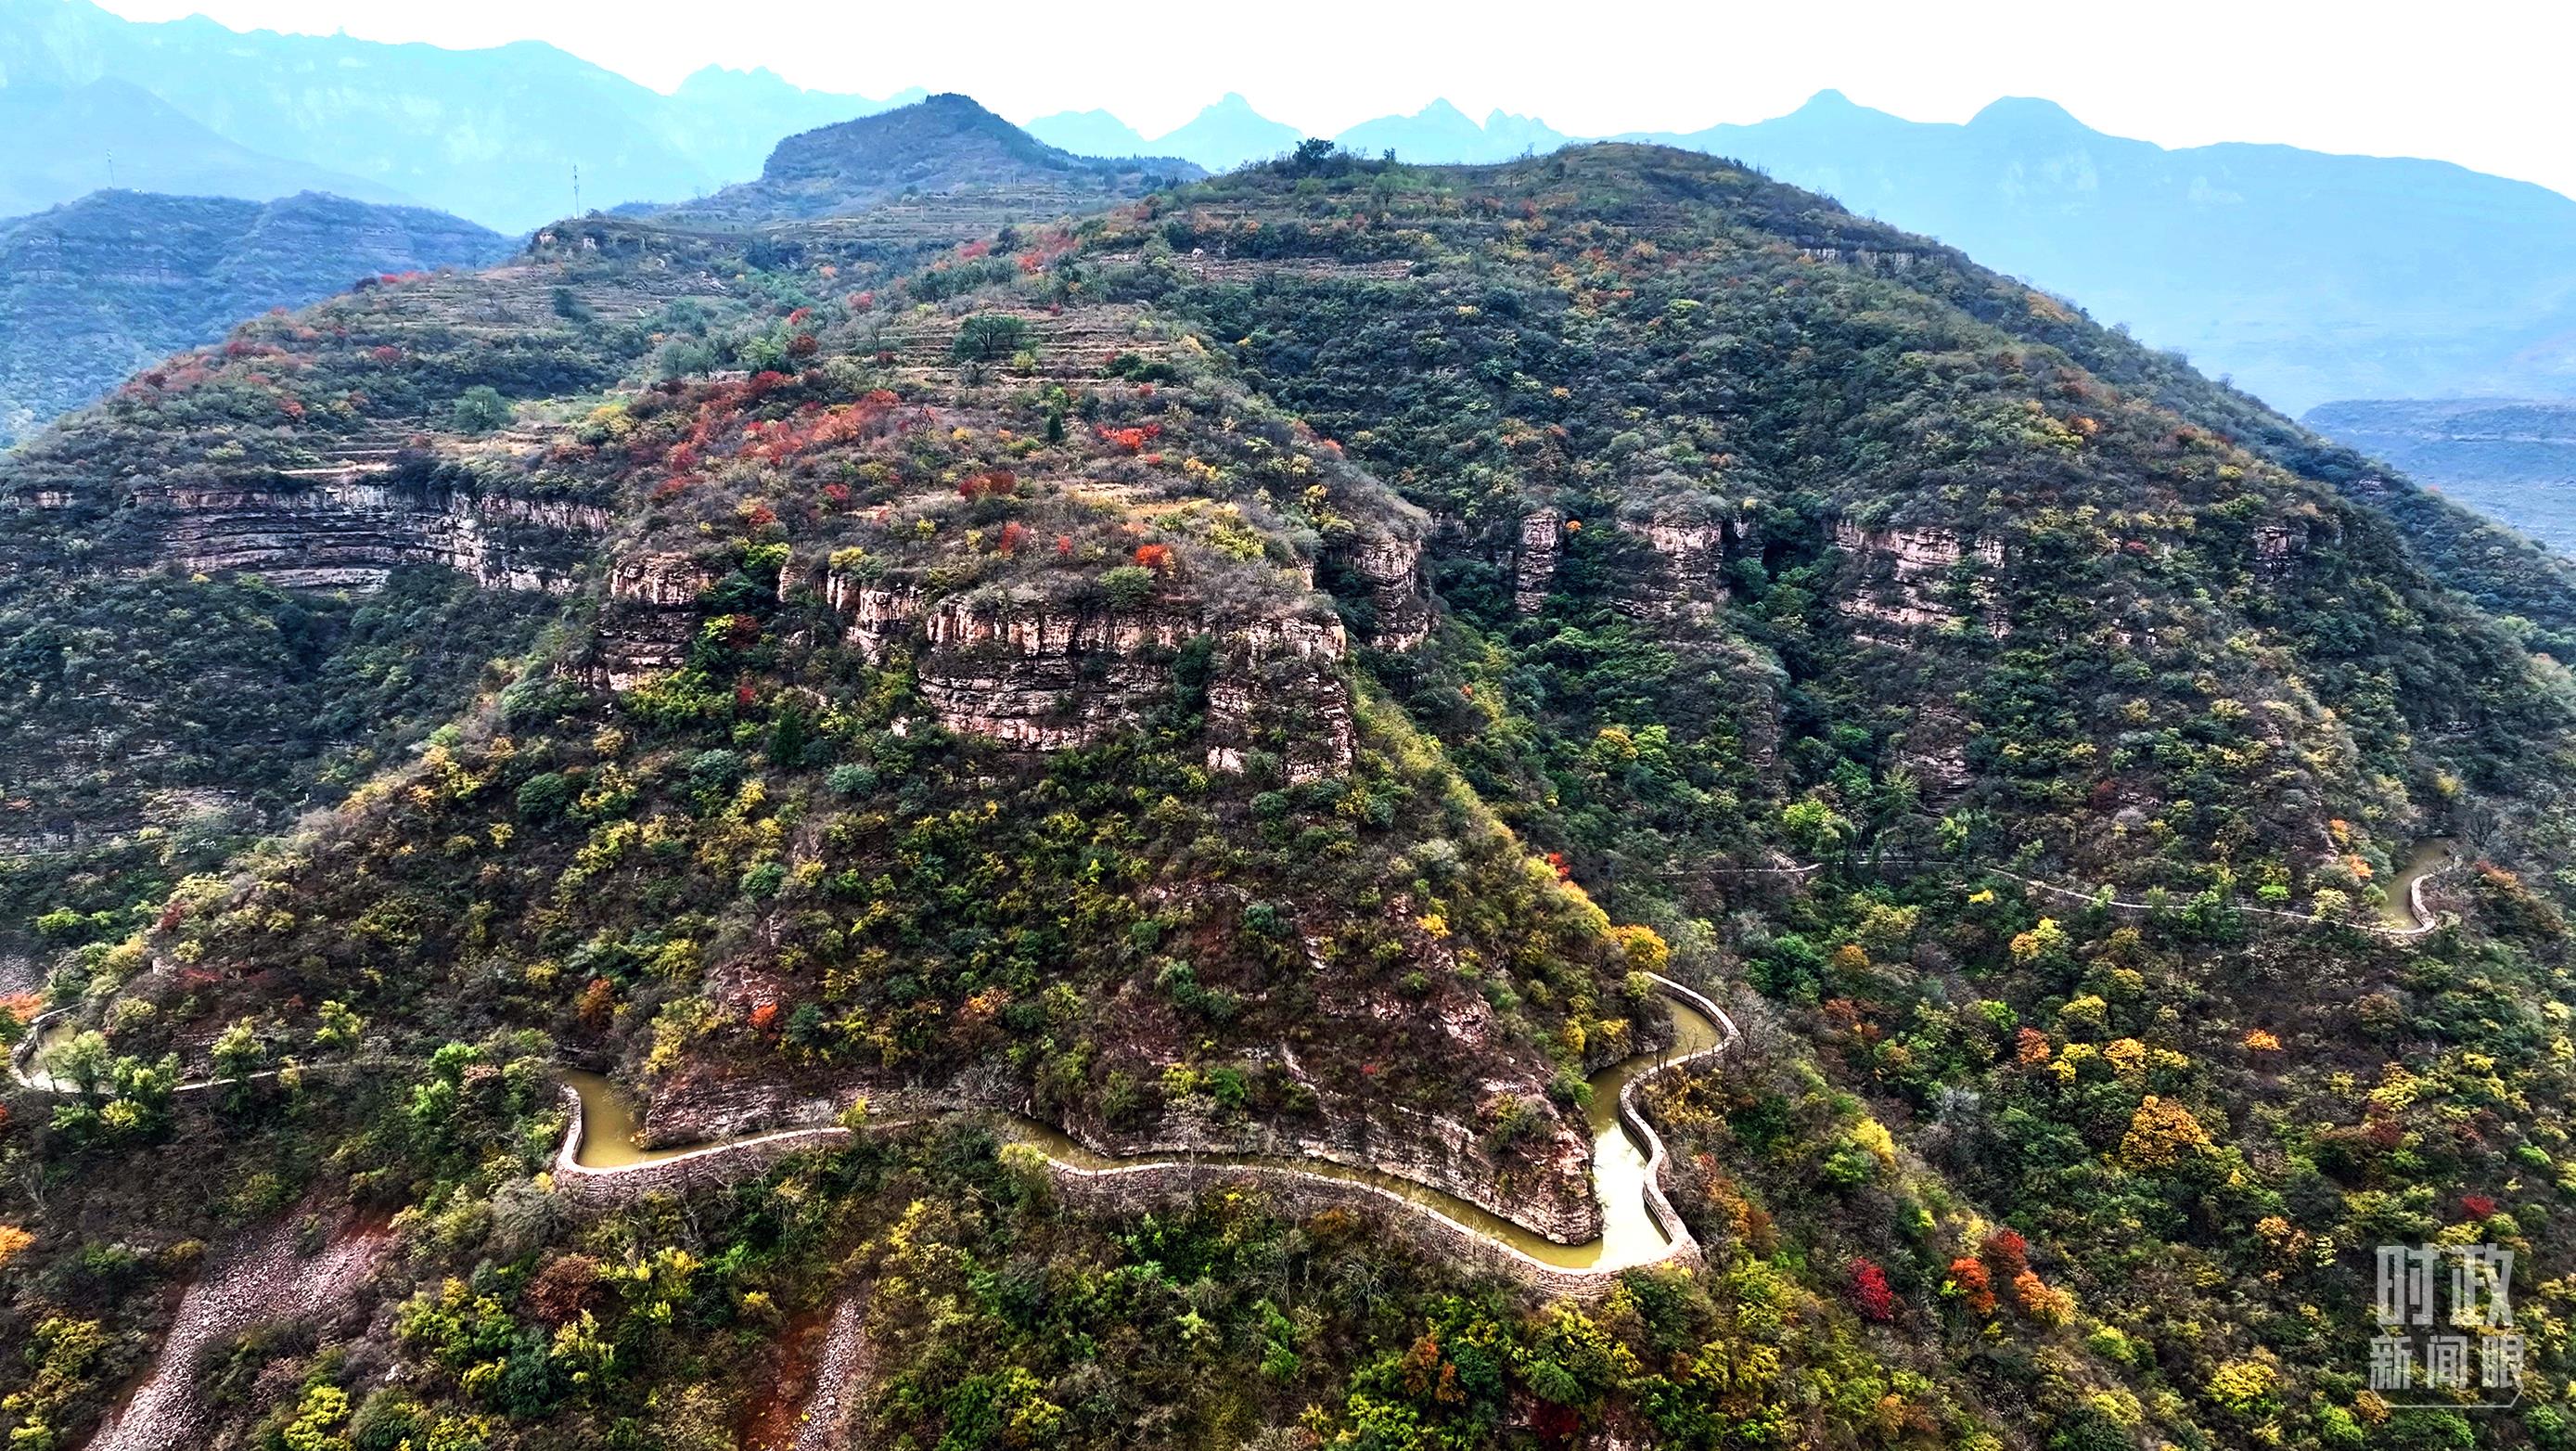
<point x="1904" y="573"/>
<point x="1047" y="674"/>
<point x="1534" y="567"/>
<point x="348" y="533"/>
<point x="1391" y="566"/>
<point x="652" y="613"/>
<point x="2277" y="548"/>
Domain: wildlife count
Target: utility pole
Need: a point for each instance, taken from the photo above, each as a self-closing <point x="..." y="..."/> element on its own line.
<point x="576" y="188"/>
<point x="111" y="168"/>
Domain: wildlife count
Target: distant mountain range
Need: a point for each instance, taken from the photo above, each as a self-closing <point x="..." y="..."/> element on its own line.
<point x="1229" y="133"/>
<point x="492" y="134"/>
<point x="93" y="291"/>
<point x="2512" y="458"/>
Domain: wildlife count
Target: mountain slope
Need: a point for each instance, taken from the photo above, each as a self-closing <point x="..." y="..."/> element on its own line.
<point x="93" y="291"/>
<point x="66" y="143"/>
<point x="944" y="146"/>
<point x="2302" y="276"/>
<point x="1166" y="674"/>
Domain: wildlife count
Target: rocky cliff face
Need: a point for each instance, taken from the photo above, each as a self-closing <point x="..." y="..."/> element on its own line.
<point x="645" y="627"/>
<point x="1036" y="673"/>
<point x="1049" y="675"/>
<point x="347" y="533"/>
<point x="1691" y="555"/>
<point x="1534" y="569"/>
<point x="1391" y="568"/>
<point x="1900" y="577"/>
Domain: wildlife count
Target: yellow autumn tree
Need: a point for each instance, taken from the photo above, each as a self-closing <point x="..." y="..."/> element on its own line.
<point x="2045" y="940"/>
<point x="2160" y="1133"/>
<point x="1643" y="947"/>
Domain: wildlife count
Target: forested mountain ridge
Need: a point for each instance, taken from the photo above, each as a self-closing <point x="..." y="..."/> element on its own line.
<point x="1168" y="671"/>
<point x="93" y="291"/>
<point x="2302" y="275"/>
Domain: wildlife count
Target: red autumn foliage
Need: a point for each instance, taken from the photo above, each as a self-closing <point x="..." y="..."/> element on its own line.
<point x="1869" y="1291"/>
<point x="1156" y="557"/>
<point x="1064" y="546"/>
<point x="999" y="484"/>
<point x="764" y="1019"/>
<point x="1014" y="534"/>
<point x="803" y="345"/>
<point x="1556" y="861"/>
<point x="2007" y="1252"/>
<point x="1975" y="1285"/>
<point x="2478" y="1206"/>
<point x="1133" y="440"/>
<point x="745" y="696"/>
<point x="837" y="495"/>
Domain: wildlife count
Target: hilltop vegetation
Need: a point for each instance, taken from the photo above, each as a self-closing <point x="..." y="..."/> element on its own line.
<point x="1282" y="654"/>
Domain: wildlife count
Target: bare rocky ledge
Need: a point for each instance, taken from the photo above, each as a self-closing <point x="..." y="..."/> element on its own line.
<point x="350" y="533"/>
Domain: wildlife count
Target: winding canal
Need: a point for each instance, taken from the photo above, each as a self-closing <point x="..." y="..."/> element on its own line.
<point x="1620" y="1164"/>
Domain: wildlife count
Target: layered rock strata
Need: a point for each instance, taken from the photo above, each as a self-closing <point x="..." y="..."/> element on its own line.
<point x="350" y="534"/>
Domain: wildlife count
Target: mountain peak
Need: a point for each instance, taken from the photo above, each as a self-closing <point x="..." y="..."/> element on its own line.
<point x="2026" y="114"/>
<point x="943" y="143"/>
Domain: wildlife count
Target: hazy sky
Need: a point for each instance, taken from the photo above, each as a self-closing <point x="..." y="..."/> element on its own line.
<point x="2480" y="82"/>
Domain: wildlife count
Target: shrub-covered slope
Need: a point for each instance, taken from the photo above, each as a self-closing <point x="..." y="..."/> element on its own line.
<point x="1169" y="674"/>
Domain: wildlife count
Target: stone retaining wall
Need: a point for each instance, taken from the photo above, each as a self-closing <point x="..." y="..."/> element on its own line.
<point x="698" y="1168"/>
